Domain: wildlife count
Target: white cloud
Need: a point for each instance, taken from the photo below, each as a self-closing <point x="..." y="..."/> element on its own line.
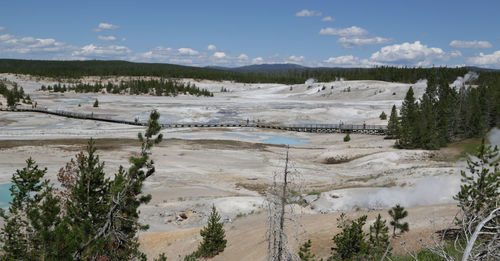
<point x="187" y="51"/>
<point x="243" y="57"/>
<point x="353" y="42"/>
<point x="2" y="28"/>
<point x="294" y="58"/>
<point x="211" y="47"/>
<point x="305" y="12"/>
<point x="328" y="19"/>
<point x="344" y="32"/>
<point x="203" y="58"/>
<point x="105" y="26"/>
<point x="350" y="61"/>
<point x="108" y="38"/>
<point x="343" y="60"/>
<point x="471" y="44"/>
<point x="482" y="59"/>
<point x="219" y="55"/>
<point x="353" y="36"/>
<point x="40" y="47"/>
<point x="156" y="54"/>
<point x="103" y="51"/>
<point x="415" y="54"/>
<point x="258" y="60"/>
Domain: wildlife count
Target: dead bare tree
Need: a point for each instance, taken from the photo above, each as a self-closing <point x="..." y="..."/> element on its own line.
<point x="278" y="197"/>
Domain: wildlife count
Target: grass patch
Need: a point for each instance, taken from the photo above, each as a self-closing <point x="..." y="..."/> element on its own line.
<point x="460" y="149"/>
<point x="427" y="255"/>
<point x="259" y="188"/>
<point x="341" y="159"/>
<point x="314" y="192"/>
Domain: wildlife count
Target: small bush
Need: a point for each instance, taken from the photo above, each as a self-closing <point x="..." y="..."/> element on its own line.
<point x="347" y="138"/>
<point x="383" y="116"/>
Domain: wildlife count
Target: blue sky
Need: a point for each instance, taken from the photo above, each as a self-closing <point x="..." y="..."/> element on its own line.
<point x="334" y="33"/>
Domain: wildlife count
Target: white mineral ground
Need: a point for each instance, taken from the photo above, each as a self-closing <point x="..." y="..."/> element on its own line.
<point x="230" y="168"/>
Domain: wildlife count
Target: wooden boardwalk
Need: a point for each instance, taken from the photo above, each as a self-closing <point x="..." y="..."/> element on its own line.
<point x="315" y="128"/>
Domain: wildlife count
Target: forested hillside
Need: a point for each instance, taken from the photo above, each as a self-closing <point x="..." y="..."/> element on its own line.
<point x="76" y="69"/>
<point x="447" y="113"/>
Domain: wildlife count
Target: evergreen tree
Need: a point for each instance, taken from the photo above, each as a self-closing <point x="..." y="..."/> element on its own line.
<point x="26" y="184"/>
<point x="480" y="189"/>
<point x="32" y="228"/>
<point x="398" y="213"/>
<point x="305" y="252"/>
<point x="89" y="202"/>
<point x="11" y="99"/>
<point x="351" y="241"/>
<point x="409" y="122"/>
<point x="383" y="116"/>
<point x="393" y="127"/>
<point x="445" y="109"/>
<point x="96" y="103"/>
<point x="213" y="235"/>
<point x="347" y="138"/>
<point x="379" y="238"/>
<point x="427" y="134"/>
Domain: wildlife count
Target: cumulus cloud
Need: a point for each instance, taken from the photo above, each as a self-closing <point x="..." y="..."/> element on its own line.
<point x="2" y="28"/>
<point x="219" y="55"/>
<point x="187" y="51"/>
<point x="344" y="32"/>
<point x="243" y="57"/>
<point x="108" y="38"/>
<point x="181" y="56"/>
<point x="211" y="47"/>
<point x="471" y="44"/>
<point x="102" y="51"/>
<point x="327" y="19"/>
<point x="296" y="59"/>
<point x="350" y="61"/>
<point x="355" y="41"/>
<point x="415" y="54"/>
<point x="482" y="59"/>
<point x="258" y="60"/>
<point x="353" y="36"/>
<point x="11" y="45"/>
<point x="305" y="12"/>
<point x="343" y="60"/>
<point x="106" y="26"/>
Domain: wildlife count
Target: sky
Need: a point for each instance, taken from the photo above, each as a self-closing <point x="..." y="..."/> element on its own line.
<point x="329" y="33"/>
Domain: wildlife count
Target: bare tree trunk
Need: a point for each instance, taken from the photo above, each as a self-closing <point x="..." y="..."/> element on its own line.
<point x="282" y="214"/>
<point x="476" y="233"/>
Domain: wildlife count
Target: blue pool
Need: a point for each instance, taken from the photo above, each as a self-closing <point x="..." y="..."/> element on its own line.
<point x="272" y="138"/>
<point x="5" y="195"/>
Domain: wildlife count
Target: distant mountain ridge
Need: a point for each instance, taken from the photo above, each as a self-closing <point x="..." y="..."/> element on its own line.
<point x="275" y="67"/>
<point x="266" y="67"/>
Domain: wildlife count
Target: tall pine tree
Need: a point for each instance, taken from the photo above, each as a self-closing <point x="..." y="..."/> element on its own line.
<point x="393" y="126"/>
<point x="409" y="122"/>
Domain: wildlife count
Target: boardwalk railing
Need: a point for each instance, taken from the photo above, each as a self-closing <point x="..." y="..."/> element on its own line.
<point x="316" y="128"/>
